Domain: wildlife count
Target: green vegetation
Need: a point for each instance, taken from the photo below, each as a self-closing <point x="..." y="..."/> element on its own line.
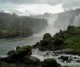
<point x="64" y="39"/>
<point x="65" y="66"/>
<point x="72" y="42"/>
<point x="7" y="33"/>
<point x="21" y="52"/>
<point x="26" y="49"/>
<point x="12" y="65"/>
<point x="71" y="38"/>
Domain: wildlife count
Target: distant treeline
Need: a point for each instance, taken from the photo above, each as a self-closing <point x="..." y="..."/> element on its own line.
<point x="12" y="25"/>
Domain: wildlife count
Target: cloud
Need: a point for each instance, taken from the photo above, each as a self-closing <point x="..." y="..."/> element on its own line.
<point x="36" y="9"/>
<point x="9" y="5"/>
<point x="31" y="1"/>
<point x="41" y="8"/>
<point x="67" y="4"/>
<point x="71" y="4"/>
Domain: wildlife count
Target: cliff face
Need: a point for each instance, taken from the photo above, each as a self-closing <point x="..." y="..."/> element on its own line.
<point x="67" y="18"/>
<point x="20" y="25"/>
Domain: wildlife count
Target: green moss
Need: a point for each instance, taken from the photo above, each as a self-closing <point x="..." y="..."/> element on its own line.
<point x="12" y="65"/>
<point x="73" y="42"/>
<point x="65" y="66"/>
<point x="23" y="48"/>
<point x="62" y="40"/>
<point x="71" y="38"/>
<point x="7" y="33"/>
<point x="27" y="50"/>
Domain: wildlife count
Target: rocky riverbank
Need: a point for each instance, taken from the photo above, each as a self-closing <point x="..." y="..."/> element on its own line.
<point x="69" y="39"/>
<point x="61" y="44"/>
<point x="21" y="57"/>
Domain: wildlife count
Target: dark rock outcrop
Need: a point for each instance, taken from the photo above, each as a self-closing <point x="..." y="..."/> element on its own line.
<point x="50" y="63"/>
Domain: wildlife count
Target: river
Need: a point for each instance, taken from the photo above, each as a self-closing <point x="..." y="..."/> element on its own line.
<point x="11" y="44"/>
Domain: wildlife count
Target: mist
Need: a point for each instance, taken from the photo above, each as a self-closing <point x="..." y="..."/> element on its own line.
<point x="50" y="28"/>
<point x="60" y="21"/>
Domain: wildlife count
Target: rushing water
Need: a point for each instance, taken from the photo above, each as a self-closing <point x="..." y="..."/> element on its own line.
<point x="42" y="55"/>
<point x="10" y="44"/>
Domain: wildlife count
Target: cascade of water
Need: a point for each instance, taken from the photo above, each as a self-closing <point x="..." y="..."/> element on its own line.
<point x="76" y="21"/>
<point x="49" y="29"/>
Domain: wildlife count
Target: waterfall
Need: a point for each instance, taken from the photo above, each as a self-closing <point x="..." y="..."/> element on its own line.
<point x="77" y="21"/>
<point x="50" y="28"/>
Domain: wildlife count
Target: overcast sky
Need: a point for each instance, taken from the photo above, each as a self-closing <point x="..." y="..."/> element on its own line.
<point x="37" y="6"/>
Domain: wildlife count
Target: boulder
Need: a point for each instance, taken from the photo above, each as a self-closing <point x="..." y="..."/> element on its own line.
<point x="47" y="36"/>
<point x="50" y="63"/>
<point x="3" y="64"/>
<point x="65" y="59"/>
<point x="31" y="60"/>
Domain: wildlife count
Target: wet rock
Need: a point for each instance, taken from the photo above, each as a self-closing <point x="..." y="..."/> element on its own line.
<point x="44" y="43"/>
<point x="78" y="61"/>
<point x="36" y="45"/>
<point x="17" y="47"/>
<point x="73" y="52"/>
<point x="42" y="49"/>
<point x="31" y="61"/>
<point x="50" y="63"/>
<point x="65" y="59"/>
<point x="18" y="55"/>
<point x="76" y="58"/>
<point x="21" y="57"/>
<point x="47" y="36"/>
<point x="3" y="64"/>
<point x="11" y="52"/>
<point x="21" y="52"/>
<point x="34" y="59"/>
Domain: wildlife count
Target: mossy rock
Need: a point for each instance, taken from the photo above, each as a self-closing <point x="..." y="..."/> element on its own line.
<point x="3" y="64"/>
<point x="31" y="60"/>
<point x="58" y="41"/>
<point x="47" y="36"/>
<point x="50" y="63"/>
<point x="10" y="53"/>
<point x="12" y="65"/>
<point x="20" y="52"/>
<point x="44" y="43"/>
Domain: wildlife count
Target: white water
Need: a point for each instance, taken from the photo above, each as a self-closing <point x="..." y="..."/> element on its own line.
<point x="50" y="28"/>
<point x="42" y="55"/>
<point x="77" y="21"/>
<point x="11" y="44"/>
